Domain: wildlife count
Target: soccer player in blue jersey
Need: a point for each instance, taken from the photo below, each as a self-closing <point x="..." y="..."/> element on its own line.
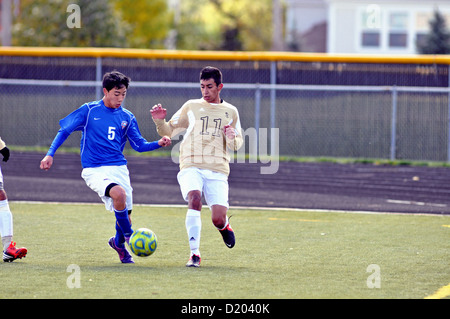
<point x="106" y="126"/>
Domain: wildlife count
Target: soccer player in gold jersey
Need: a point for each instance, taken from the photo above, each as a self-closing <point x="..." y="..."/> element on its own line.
<point x="10" y="252"/>
<point x="211" y="127"/>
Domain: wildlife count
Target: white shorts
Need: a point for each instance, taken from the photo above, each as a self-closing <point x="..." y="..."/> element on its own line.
<point x="98" y="179"/>
<point x="213" y="185"/>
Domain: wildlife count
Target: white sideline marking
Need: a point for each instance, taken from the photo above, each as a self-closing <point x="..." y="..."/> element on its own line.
<point x="410" y="202"/>
<point x="245" y="207"/>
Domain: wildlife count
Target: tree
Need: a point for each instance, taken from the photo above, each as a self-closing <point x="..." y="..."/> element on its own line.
<point x="149" y="22"/>
<point x="225" y="25"/>
<point x="437" y="40"/>
<point x="44" y="23"/>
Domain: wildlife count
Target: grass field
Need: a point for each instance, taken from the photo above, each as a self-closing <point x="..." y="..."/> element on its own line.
<point x="278" y="254"/>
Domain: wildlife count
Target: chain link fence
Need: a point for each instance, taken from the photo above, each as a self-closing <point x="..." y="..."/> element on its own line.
<point x="318" y="109"/>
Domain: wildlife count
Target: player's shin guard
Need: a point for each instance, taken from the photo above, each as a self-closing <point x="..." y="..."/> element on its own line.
<point x="124" y="222"/>
<point x="193" y="228"/>
<point x="6" y="223"/>
<point x="119" y="239"/>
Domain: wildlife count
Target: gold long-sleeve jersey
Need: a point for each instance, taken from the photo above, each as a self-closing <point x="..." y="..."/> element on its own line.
<point x="204" y="142"/>
<point x="2" y="144"/>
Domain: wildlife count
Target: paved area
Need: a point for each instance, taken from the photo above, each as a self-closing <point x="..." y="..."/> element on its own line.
<point x="327" y="186"/>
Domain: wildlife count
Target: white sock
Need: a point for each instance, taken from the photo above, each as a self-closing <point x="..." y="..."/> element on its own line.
<point x="6" y="241"/>
<point x="193" y="228"/>
<point x="6" y="223"/>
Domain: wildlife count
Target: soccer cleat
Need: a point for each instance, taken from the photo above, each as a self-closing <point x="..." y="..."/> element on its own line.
<point x="228" y="236"/>
<point x="124" y="255"/>
<point x="194" y="261"/>
<point x="12" y="253"/>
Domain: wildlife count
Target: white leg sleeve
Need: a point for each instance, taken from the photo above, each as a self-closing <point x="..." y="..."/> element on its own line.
<point x="194" y="227"/>
<point x="6" y="220"/>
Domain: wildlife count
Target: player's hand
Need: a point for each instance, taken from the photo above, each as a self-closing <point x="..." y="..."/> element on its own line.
<point x="158" y="112"/>
<point x="229" y="131"/>
<point x="165" y="141"/>
<point x="5" y="152"/>
<point x="46" y="162"/>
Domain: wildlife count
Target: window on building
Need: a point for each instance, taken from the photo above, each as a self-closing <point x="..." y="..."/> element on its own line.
<point x="371" y="27"/>
<point x="370" y="39"/>
<point x="422" y="26"/>
<point x="398" y="29"/>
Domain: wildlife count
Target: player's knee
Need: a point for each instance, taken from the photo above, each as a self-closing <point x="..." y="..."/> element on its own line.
<point x="3" y="195"/>
<point x="219" y="216"/>
<point x="195" y="200"/>
<point x="119" y="197"/>
<point x="219" y="221"/>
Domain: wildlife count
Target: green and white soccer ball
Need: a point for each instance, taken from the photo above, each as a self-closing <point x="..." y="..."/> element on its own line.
<point x="143" y="242"/>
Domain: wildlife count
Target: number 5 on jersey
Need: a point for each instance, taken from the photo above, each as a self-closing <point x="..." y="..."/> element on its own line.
<point x="111" y="133"/>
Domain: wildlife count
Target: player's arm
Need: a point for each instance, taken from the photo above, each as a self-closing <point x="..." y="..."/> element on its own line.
<point x="176" y="124"/>
<point x="73" y="121"/>
<point x="4" y="151"/>
<point x="165" y="141"/>
<point x="233" y="134"/>
<point x="159" y="115"/>
<point x="46" y="162"/>
<point x="2" y="144"/>
<point x="140" y="144"/>
<point x="59" y="139"/>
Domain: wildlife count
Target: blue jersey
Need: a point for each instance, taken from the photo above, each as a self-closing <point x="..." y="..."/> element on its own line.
<point x="105" y="132"/>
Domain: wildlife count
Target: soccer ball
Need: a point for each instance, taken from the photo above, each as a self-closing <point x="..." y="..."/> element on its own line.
<point x="143" y="242"/>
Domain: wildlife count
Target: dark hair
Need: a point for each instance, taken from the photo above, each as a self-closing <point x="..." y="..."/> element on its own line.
<point x="115" y="79"/>
<point x="210" y="72"/>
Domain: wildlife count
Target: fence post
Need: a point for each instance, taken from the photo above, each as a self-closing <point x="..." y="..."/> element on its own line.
<point x="448" y="116"/>
<point x="273" y="98"/>
<point x="394" y="123"/>
<point x="98" y="78"/>
<point x="257" y="115"/>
